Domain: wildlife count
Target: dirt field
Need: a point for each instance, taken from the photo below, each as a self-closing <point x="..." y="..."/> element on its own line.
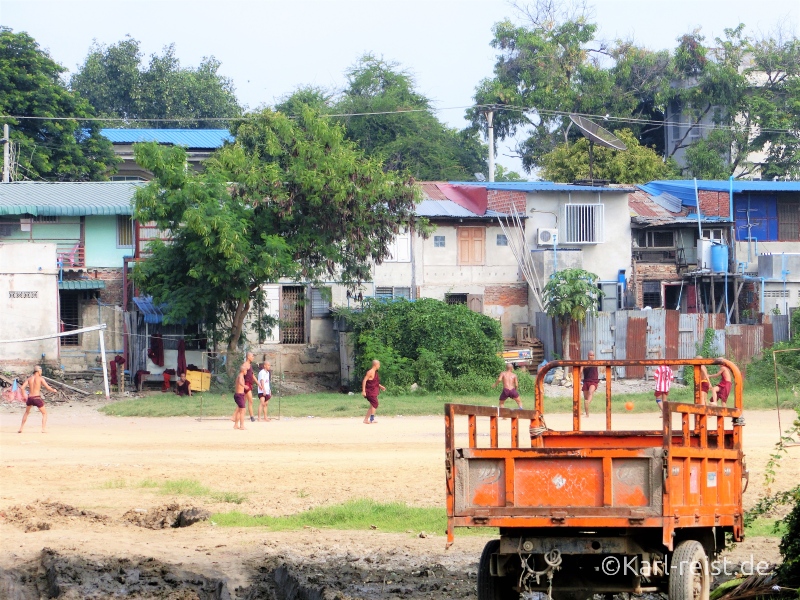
<point x="96" y="463"/>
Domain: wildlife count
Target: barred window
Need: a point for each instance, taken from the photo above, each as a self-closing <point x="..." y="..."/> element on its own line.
<point x="320" y="302"/>
<point x="582" y="224"/>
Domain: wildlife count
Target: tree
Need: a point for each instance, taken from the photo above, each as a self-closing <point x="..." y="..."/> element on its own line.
<point x="637" y="164"/>
<point x="551" y="66"/>
<point x="290" y="199"/>
<point x="118" y="84"/>
<point x="571" y="295"/>
<point x="410" y="138"/>
<point x="503" y="174"/>
<point x="51" y="149"/>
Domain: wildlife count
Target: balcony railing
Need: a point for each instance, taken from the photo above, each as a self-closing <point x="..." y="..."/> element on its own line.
<point x="70" y="255"/>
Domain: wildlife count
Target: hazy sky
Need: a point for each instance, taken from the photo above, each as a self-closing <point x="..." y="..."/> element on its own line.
<point x="271" y="47"/>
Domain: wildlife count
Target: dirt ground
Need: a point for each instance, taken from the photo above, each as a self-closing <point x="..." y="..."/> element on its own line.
<point x="69" y="500"/>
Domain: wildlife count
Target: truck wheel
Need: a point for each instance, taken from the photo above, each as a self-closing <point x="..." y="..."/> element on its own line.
<point x="489" y="587"/>
<point x="688" y="576"/>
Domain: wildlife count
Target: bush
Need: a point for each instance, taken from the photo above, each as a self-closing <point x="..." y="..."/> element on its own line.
<point x="429" y="341"/>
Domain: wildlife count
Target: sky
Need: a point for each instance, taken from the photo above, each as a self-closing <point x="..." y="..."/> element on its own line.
<point x="271" y="47"/>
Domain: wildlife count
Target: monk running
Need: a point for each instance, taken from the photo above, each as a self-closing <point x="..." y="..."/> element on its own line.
<point x="591" y="380"/>
<point x="510" y="384"/>
<point x="35" y="382"/>
<point x="370" y="388"/>
<point x="239" y="398"/>
<point x="723" y="389"/>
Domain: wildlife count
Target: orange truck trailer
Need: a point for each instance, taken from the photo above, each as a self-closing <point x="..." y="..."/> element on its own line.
<point x="582" y="512"/>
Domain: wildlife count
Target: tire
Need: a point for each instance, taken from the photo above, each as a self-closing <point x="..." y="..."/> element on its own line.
<point x="688" y="576"/>
<point x="489" y="587"/>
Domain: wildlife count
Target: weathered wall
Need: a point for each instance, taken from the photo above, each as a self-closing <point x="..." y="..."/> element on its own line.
<point x="93" y="313"/>
<point x="28" y="303"/>
<point x="650" y="272"/>
<point x="314" y="364"/>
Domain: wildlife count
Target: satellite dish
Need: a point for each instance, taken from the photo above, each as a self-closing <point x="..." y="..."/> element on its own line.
<point x="596" y="135"/>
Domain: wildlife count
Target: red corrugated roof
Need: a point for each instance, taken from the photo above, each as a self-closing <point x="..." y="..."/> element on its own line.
<point x="641" y="205"/>
<point x="431" y="190"/>
<point x="472" y="197"/>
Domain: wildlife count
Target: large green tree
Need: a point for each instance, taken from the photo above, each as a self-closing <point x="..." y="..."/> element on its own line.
<point x="290" y="199"/>
<point x="118" y="83"/>
<point x="53" y="147"/>
<point x="410" y="137"/>
<point x="637" y="164"/>
<point x="552" y="64"/>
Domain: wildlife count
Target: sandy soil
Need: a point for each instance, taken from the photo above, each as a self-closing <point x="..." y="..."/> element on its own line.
<point x="95" y="464"/>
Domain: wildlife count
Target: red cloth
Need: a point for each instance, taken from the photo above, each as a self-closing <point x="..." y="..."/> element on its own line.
<point x="167" y="385"/>
<point x="181" y="357"/>
<point x="112" y="365"/>
<point x="156" y="352"/>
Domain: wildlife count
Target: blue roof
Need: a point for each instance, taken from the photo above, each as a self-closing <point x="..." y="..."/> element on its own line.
<point x="543" y="186"/>
<point x="684" y="188"/>
<point x="152" y="313"/>
<point x="190" y="138"/>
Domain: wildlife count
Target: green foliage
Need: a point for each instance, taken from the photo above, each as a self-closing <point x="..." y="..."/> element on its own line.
<point x="790" y="543"/>
<point x="289" y="199"/>
<point x="638" y="164"/>
<point x="571" y="294"/>
<point x="503" y="174"/>
<point x="434" y="342"/>
<point x="408" y="137"/>
<point x="57" y="150"/>
<point x="118" y="84"/>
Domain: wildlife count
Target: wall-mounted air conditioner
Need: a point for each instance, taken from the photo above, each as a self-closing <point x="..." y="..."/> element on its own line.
<point x="546" y="237"/>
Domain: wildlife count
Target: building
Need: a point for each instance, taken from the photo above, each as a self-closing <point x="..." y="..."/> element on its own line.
<point x="80" y="236"/>
<point x="199" y="145"/>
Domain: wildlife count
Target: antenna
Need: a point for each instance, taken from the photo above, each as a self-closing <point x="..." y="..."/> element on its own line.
<point x="596" y="135"/>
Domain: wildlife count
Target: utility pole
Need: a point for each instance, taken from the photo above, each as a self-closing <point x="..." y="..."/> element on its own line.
<point x="489" y="120"/>
<point x="6" y="154"/>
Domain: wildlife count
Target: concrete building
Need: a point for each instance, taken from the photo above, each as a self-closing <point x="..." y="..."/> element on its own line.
<point x="88" y="230"/>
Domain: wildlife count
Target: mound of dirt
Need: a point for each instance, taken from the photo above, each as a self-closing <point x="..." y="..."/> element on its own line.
<point x="40" y="516"/>
<point x="77" y="578"/>
<point x="164" y="517"/>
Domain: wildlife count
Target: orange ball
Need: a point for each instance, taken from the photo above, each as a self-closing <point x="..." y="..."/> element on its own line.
<point x="629" y="405"/>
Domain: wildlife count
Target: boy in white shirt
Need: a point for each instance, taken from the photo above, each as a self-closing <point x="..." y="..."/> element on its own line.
<point x="264" y="390"/>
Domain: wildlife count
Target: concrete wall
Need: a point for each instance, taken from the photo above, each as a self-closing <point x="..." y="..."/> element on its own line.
<point x="101" y="243"/>
<point x="28" y="268"/>
<point x="604" y="259"/>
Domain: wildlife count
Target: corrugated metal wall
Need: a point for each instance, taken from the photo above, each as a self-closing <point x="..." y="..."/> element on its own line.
<point x="638" y="334"/>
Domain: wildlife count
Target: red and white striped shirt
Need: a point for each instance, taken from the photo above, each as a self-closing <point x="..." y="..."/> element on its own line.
<point x="664" y="377"/>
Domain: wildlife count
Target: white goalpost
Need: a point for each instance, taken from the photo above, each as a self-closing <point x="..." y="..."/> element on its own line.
<point x="99" y="328"/>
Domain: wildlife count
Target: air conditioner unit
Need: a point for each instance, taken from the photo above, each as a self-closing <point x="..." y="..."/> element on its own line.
<point x="547" y="237"/>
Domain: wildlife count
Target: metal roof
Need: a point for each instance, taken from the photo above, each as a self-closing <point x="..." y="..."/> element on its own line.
<point x="67" y="199"/>
<point x="684" y="188"/>
<point x="152" y="313"/>
<point x="545" y="186"/>
<point x="451" y="210"/>
<point x="81" y="284"/>
<point x="191" y="138"/>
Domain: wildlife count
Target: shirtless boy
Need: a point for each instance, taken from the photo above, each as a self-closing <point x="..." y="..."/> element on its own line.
<point x="35" y="382"/>
<point x="510" y="384"/>
<point x="722" y="390"/>
<point x="239" y="398"/>
<point x="705" y="385"/>
<point x="249" y="379"/>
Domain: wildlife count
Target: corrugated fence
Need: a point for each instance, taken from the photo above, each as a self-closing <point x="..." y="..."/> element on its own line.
<point x="660" y="333"/>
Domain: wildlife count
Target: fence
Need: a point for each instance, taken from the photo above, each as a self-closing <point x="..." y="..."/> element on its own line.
<point x="660" y="333"/>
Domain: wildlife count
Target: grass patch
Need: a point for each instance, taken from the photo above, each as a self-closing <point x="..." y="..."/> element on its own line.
<point x="229" y="497"/>
<point x="338" y="405"/>
<point x="148" y="483"/>
<point x="764" y="527"/>
<point x="184" y="487"/>
<point x="114" y="484"/>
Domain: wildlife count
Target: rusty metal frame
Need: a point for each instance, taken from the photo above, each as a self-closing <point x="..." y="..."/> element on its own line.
<point x="694" y="459"/>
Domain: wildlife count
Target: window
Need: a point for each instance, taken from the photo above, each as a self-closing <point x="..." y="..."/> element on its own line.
<point x="655" y="239"/>
<point x="788" y="221"/>
<point x="651" y="294"/>
<point x="320" y="302"/>
<point x="471" y="244"/>
<point x="124" y="231"/>
<point x="502" y="240"/>
<point x="713" y="234"/>
<point x="582" y="224"/>
<point x="400" y="248"/>
<point x="392" y="293"/>
<point x="70" y="317"/>
<point x="293" y="314"/>
<point x="438" y="241"/>
<point x="455" y="298"/>
<point x="45" y="219"/>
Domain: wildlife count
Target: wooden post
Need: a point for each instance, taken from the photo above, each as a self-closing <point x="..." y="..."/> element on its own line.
<point x="713" y="296"/>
